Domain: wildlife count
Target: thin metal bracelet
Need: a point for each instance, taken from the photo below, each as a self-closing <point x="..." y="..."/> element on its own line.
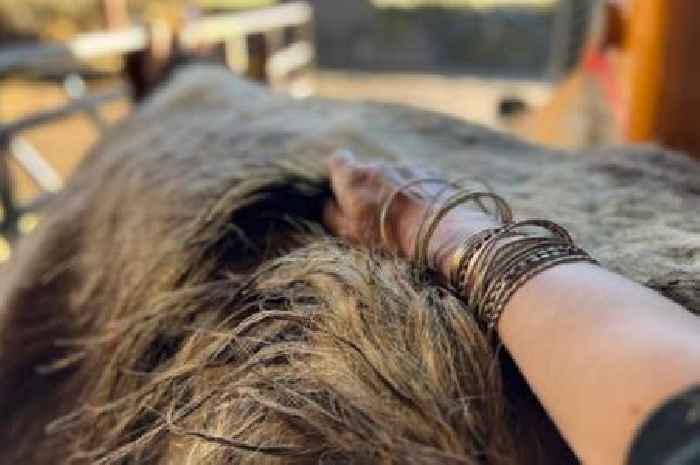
<point x="464" y="254"/>
<point x="491" y="317"/>
<point x="423" y="242"/>
<point x="420" y="238"/>
<point x="507" y="256"/>
<point x="519" y="263"/>
<point x="384" y="213"/>
<point x="489" y="270"/>
<point x="477" y="270"/>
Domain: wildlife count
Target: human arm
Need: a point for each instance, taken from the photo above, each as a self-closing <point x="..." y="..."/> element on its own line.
<point x="601" y="352"/>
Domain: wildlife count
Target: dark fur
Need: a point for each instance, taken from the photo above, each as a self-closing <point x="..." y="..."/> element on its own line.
<point x="181" y="303"/>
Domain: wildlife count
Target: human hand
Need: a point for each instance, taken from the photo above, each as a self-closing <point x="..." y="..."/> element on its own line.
<point x="361" y="191"/>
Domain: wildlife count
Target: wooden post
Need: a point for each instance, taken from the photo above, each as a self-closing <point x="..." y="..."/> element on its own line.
<point x="8" y="222"/>
<point x="146" y="68"/>
<point x="647" y="35"/>
<point x="678" y="110"/>
<point x="257" y="57"/>
<point x="307" y="33"/>
<point x="236" y="55"/>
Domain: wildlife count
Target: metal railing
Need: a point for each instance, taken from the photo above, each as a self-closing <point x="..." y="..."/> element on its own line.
<point x="269" y="44"/>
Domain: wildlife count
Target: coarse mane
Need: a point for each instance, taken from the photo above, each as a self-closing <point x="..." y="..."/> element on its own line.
<point x="181" y="303"/>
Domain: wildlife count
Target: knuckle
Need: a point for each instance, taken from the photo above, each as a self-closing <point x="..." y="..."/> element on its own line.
<point x="375" y="175"/>
<point x="366" y="174"/>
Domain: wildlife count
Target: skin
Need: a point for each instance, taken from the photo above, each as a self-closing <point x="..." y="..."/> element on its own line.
<point x="601" y="352"/>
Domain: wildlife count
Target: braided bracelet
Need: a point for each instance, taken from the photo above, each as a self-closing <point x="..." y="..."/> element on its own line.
<point x="533" y="266"/>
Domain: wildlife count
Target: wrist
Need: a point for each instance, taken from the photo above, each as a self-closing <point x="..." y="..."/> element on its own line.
<point x="449" y="235"/>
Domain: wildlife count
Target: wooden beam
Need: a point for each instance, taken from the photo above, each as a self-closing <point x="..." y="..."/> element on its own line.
<point x="258" y="55"/>
<point x="99" y="44"/>
<point x="678" y="120"/>
<point x="646" y="40"/>
<point x="293" y="58"/>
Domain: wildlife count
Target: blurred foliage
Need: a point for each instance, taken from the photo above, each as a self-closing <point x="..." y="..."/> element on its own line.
<point x="60" y="19"/>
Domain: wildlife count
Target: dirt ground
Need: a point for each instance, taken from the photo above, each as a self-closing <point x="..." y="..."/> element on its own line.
<point x="467" y="97"/>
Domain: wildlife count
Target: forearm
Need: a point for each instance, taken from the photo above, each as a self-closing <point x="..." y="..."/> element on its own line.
<point x="599" y="350"/>
<point x="581" y="336"/>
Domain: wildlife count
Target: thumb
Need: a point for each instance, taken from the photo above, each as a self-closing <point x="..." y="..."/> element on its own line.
<point x="336" y="222"/>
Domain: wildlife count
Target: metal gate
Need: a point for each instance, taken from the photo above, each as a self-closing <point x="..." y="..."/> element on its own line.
<point x="268" y="45"/>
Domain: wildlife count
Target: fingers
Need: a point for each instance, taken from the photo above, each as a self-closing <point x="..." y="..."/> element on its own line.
<point x="343" y="168"/>
<point x="360" y="191"/>
<point x="336" y="221"/>
<point x="341" y="164"/>
<point x="341" y="159"/>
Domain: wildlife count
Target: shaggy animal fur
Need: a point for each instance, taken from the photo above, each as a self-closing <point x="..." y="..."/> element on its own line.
<point x="182" y="304"/>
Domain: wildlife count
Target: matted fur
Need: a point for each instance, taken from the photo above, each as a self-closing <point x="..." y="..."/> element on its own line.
<point x="283" y="346"/>
<point x="182" y="304"/>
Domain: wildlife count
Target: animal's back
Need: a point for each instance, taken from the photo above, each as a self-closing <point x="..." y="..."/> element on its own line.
<point x="159" y="233"/>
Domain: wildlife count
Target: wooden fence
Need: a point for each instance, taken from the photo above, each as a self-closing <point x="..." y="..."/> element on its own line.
<point x="269" y="45"/>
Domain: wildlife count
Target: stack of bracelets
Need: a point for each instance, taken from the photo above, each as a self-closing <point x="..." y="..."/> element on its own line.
<point x="490" y="266"/>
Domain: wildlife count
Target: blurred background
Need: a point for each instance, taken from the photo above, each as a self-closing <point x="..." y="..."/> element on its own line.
<point x="571" y="74"/>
